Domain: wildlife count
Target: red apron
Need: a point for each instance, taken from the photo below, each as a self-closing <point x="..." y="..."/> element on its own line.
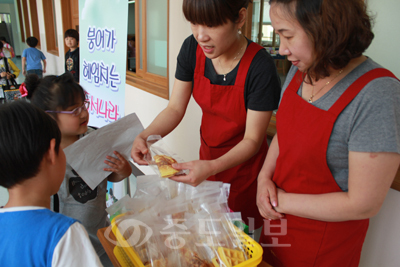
<point x="222" y="127"/>
<point x="304" y="132"/>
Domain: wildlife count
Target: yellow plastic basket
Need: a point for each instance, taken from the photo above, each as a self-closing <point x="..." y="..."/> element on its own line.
<point x="122" y="257"/>
<point x="253" y="249"/>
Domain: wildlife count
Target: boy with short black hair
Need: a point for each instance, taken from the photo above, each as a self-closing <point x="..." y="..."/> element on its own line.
<point x="33" y="58"/>
<point x="71" y="38"/>
<point x="32" y="168"/>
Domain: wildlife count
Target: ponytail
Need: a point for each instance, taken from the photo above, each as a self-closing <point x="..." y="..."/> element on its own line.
<point x="31" y="83"/>
<point x="54" y="92"/>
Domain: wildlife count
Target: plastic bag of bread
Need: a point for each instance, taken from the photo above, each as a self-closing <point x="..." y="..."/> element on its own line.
<point x="155" y="249"/>
<point x="162" y="157"/>
<point x="182" y="250"/>
<point x="227" y="245"/>
<point x="199" y="236"/>
<point x="169" y="246"/>
<point x="187" y="256"/>
<point x="212" y="240"/>
<point x="215" y="234"/>
<point x="138" y="231"/>
<point x="173" y="210"/>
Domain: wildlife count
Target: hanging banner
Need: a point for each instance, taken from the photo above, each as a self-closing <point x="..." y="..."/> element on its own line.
<point x="103" y="52"/>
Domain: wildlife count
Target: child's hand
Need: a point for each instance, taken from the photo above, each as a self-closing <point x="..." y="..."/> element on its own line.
<point x="119" y="166"/>
<point x="10" y="76"/>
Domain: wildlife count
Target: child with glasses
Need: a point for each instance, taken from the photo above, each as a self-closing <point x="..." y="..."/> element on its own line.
<point x="65" y="101"/>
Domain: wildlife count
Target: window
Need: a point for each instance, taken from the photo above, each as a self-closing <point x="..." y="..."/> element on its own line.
<point x="34" y="20"/>
<point x="263" y="33"/>
<point x="26" y="19"/>
<point x="50" y="27"/>
<point x="148" y="61"/>
<point x="5" y="21"/>
<point x="70" y="17"/>
<point x="21" y="22"/>
<point x="259" y="29"/>
<point x="5" y="18"/>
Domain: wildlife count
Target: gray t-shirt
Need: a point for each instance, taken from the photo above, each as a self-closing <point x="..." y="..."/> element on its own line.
<point x="88" y="206"/>
<point x="370" y="123"/>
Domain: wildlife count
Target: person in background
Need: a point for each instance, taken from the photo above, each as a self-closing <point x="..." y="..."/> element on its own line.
<point x="13" y="71"/>
<point x="33" y="58"/>
<point x="235" y="82"/>
<point x="71" y="38"/>
<point x="8" y="51"/>
<point x="32" y="167"/>
<point x="132" y="47"/>
<point x="65" y="101"/>
<point x="336" y="150"/>
<point x="132" y="54"/>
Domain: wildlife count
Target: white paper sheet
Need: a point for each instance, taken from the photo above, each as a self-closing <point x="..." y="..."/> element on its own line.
<point x="86" y="156"/>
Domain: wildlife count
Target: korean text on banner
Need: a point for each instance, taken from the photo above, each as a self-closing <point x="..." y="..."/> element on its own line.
<point x="103" y="46"/>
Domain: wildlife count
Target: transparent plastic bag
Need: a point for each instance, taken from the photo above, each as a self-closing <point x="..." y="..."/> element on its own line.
<point x="182" y="250"/>
<point x="124" y="205"/>
<point x="226" y="243"/>
<point x="182" y="225"/>
<point x="155" y="249"/>
<point x="162" y="157"/>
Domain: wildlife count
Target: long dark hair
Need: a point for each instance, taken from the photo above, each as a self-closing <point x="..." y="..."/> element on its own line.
<point x="340" y="31"/>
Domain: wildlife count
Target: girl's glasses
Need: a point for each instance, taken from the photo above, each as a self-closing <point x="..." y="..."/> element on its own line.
<point x="75" y="111"/>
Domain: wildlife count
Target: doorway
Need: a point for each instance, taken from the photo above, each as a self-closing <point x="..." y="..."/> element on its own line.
<point x="70" y="11"/>
<point x="5" y="28"/>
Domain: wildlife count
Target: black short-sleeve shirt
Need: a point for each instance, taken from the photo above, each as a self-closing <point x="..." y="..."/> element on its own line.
<point x="72" y="63"/>
<point x="262" y="86"/>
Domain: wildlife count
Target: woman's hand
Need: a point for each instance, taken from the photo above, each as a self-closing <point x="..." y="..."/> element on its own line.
<point x="119" y="166"/>
<point x="139" y="151"/>
<point x="3" y="74"/>
<point x="267" y="199"/>
<point x="199" y="170"/>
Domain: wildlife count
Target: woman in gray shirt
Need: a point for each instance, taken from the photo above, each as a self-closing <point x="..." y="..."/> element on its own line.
<point x="336" y="151"/>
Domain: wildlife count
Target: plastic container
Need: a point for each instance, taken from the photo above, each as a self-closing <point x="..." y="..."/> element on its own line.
<point x="253" y="249"/>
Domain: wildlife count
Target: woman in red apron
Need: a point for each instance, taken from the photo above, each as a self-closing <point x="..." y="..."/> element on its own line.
<point x="235" y="83"/>
<point x="324" y="176"/>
